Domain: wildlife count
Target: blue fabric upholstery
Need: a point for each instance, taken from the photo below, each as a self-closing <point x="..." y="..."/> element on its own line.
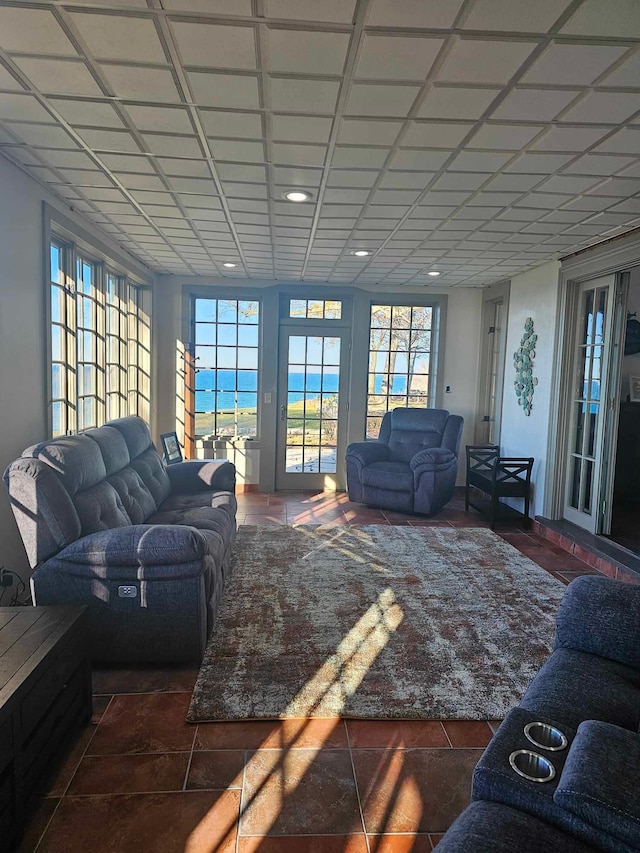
<point x="413" y="465"/>
<point x="590" y="690"/>
<point x="99" y="510"/>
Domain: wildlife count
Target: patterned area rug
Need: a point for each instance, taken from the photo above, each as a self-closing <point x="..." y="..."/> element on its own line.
<point x="375" y="622"/>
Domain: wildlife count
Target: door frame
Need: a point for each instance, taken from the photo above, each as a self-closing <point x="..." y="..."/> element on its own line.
<point x="305" y="481"/>
<point x="613" y="256"/>
<point x="496" y="293"/>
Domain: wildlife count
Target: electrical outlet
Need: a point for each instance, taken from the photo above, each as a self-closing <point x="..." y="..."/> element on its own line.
<point x="127" y="592"/>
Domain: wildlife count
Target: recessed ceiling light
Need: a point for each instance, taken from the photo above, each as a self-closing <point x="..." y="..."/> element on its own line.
<point x="297" y="195"/>
<point x="361" y="253"/>
<point x="433" y="272"/>
<point x="229" y="265"/>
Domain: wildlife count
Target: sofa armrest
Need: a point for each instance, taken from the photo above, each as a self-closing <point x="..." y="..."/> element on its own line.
<point x="432" y="457"/>
<point x="135" y="552"/>
<point x="200" y="475"/>
<point x="601" y="616"/>
<point x="366" y="452"/>
<point x="599" y="782"/>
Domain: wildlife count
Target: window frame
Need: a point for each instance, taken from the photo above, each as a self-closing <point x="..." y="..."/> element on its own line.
<point x="218" y="297"/>
<point x="75" y="242"/>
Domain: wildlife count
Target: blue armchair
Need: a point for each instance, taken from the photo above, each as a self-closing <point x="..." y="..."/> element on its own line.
<point x="413" y="465"/>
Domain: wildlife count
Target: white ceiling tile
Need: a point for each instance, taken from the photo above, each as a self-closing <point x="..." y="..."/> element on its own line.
<point x="452" y="102"/>
<point x="172" y="146"/>
<point x="33" y="31"/>
<point x="546" y="201"/>
<point x="627" y="74"/>
<point x="508" y="16"/>
<point x="227" y="149"/>
<point x="335" y="11"/>
<point x="298" y="155"/>
<point x="238" y="125"/>
<point x="307" y="52"/>
<point x="241" y="172"/>
<point x="569" y="138"/>
<point x="599" y="164"/>
<point x="69" y="159"/>
<point x="633" y="172"/>
<point x="504" y="136"/>
<point x="297" y="129"/>
<point x="304" y="96"/>
<point x="405" y="180"/>
<point x="605" y="107"/>
<point x="487" y="199"/>
<point x="626" y="141"/>
<point x="88" y="113"/>
<point x="479" y="161"/>
<point x="87" y="178"/>
<point x="167" y="119"/>
<point x="140" y="182"/>
<point x="444" y="198"/>
<point x="612" y="18"/>
<point x="435" y="135"/>
<point x="427" y="160"/>
<point x="127" y="163"/>
<point x="119" y="37"/>
<point x="541" y="164"/>
<point x="193" y="185"/>
<point x="297" y="176"/>
<point x="413" y="13"/>
<point x="345" y="196"/>
<point x="347" y="178"/>
<point x="618" y="187"/>
<point x="534" y="104"/>
<point x="359" y="157"/>
<point x="378" y="100"/>
<point x="571" y="64"/>
<point x="514" y="183"/>
<point x="224" y="90"/>
<point x="109" y="140"/>
<point x="22" y="108"/>
<point x="570" y="184"/>
<point x="242" y="190"/>
<point x="141" y="84"/>
<point x="461" y="181"/>
<point x="396" y="57"/>
<point x="8" y="81"/>
<point x="479" y="61"/>
<point x="214" y="45"/>
<point x="359" y="132"/>
<point x="45" y="135"/>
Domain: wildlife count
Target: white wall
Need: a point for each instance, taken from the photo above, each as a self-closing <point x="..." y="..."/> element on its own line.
<point x="23" y="415"/>
<point x="533" y="294"/>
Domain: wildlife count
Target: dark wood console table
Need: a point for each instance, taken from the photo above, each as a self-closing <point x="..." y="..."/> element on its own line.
<point x="45" y="694"/>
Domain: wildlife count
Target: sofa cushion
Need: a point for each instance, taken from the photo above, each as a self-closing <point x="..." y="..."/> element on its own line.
<point x="211" y="498"/>
<point x="100" y="508"/>
<point x="600" y="780"/>
<point x="407" y="431"/>
<point x="113" y="447"/>
<point x="135" y="433"/>
<point x="153" y="474"/>
<point x="574" y="686"/>
<point x="202" y="518"/>
<point x="76" y="459"/>
<point x="394" y="476"/>
<point x="135" y="496"/>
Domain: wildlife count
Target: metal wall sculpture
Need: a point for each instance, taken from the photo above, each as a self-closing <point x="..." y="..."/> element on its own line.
<point x="525" y="381"/>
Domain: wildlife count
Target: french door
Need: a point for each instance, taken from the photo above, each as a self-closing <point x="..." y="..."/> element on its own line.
<point x="590" y="401"/>
<point x="312" y="407"/>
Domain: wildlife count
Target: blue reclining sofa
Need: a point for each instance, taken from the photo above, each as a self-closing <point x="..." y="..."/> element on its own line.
<point x="105" y="523"/>
<point x="580" y="791"/>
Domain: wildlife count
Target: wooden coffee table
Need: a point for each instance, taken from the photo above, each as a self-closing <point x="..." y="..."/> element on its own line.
<point x="45" y="695"/>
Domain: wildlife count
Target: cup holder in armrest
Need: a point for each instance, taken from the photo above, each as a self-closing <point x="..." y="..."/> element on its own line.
<point x="531" y="766"/>
<point x="545" y="736"/>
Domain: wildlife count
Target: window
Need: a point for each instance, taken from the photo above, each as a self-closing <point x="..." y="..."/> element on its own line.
<point x="226" y="351"/>
<point x="399" y="360"/>
<point x="315" y="309"/>
<point x="94" y="342"/>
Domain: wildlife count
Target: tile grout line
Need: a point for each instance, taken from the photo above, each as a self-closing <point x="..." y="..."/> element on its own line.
<point x="357" y="787"/>
<point x="193" y="743"/>
<point x="241" y="810"/>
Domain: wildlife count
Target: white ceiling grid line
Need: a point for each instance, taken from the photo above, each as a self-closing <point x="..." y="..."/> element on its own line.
<point x="464" y="135"/>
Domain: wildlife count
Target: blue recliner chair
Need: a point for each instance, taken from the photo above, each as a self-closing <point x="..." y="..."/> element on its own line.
<point x="413" y="465"/>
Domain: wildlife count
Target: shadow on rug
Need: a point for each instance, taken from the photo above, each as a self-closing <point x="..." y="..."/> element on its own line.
<point x="375" y="622"/>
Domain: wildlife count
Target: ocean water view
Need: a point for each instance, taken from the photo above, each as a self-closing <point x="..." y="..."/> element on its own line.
<point x="217" y="383"/>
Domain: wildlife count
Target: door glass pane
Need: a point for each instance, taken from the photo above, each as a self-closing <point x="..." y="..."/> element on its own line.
<point x="312" y="404"/>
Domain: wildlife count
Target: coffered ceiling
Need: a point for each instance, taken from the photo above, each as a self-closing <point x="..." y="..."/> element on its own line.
<point x="476" y="138"/>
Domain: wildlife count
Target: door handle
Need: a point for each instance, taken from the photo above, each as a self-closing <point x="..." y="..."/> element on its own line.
<point x="283" y="412"/>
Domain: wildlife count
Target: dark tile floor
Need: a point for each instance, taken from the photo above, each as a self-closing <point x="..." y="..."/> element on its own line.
<point x="141" y="778"/>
